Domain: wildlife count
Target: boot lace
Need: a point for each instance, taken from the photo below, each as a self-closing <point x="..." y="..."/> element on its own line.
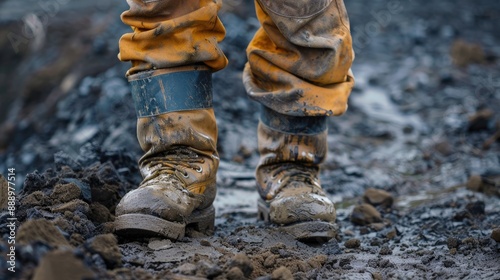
<point x="173" y="162"/>
<point x="296" y="172"/>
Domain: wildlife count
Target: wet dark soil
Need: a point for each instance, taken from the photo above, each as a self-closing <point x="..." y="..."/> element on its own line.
<point x="413" y="166"/>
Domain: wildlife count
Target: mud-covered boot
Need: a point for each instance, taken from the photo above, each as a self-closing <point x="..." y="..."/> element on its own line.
<point x="176" y="128"/>
<point x="291" y="149"/>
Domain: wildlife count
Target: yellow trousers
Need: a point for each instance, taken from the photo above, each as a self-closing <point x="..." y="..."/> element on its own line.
<point x="298" y="61"/>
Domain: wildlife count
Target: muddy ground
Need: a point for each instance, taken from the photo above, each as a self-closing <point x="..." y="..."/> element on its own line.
<point x="413" y="166"/>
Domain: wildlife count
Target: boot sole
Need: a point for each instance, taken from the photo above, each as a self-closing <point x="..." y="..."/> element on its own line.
<point x="309" y="231"/>
<point x="143" y="225"/>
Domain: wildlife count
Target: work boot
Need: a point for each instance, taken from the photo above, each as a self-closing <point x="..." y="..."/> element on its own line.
<point x="176" y="129"/>
<point x="291" y="150"/>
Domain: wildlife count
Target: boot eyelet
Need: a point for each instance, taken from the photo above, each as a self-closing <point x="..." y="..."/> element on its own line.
<point x="199" y="169"/>
<point x="185" y="174"/>
<point x="280" y="180"/>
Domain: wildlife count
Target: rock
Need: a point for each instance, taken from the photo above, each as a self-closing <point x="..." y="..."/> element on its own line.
<point x="282" y="273"/>
<point x="391" y="234"/>
<point x="448" y="263"/>
<point x="208" y="269"/>
<point x="186" y="269"/>
<point x="352" y="243"/>
<point x="377" y="226"/>
<point x="243" y="263"/>
<point x="480" y="120"/>
<point x="365" y="214"/>
<point x="385" y="250"/>
<point x="474" y="183"/>
<point x="40" y="230"/>
<point x="377" y="197"/>
<point x="464" y="53"/>
<point x="106" y="245"/>
<point x="62" y="265"/>
<point x="444" y="148"/>
<point x="453" y="242"/>
<point x="377" y="275"/>
<point x="495" y="234"/>
<point x="476" y="208"/>
<point x="205" y="243"/>
<point x="160" y="244"/>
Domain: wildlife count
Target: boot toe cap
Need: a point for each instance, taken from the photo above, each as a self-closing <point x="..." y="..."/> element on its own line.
<point x="301" y="208"/>
<point x="172" y="205"/>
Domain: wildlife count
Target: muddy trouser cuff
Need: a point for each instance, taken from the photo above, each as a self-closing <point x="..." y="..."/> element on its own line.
<point x="157" y="93"/>
<point x="292" y="124"/>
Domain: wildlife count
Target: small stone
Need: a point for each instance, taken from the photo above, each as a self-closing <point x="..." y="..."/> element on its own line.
<point x="243" y="263"/>
<point x="385" y="250"/>
<point x="474" y="183"/>
<point x="282" y="273"/>
<point x="160" y="244"/>
<point x="444" y="148"/>
<point x="391" y="234"/>
<point x="235" y="273"/>
<point x="352" y="243"/>
<point x="377" y="226"/>
<point x="62" y="265"/>
<point x="208" y="269"/>
<point x="186" y="269"/>
<point x="495" y="234"/>
<point x="448" y="263"/>
<point x="378" y="197"/>
<point x="453" y="251"/>
<point x="377" y="275"/>
<point x="349" y="232"/>
<point x="205" y="243"/>
<point x="480" y="120"/>
<point x="453" y="242"/>
<point x="476" y="208"/>
<point x="365" y="214"/>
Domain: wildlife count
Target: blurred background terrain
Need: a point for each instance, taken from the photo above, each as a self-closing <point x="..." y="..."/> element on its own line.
<point x="423" y="126"/>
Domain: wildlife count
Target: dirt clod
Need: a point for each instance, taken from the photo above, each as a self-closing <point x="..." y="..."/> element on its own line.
<point x="281" y="273"/>
<point x="243" y="263"/>
<point x="106" y="245"/>
<point x="65" y="192"/>
<point x="41" y="230"/>
<point x="62" y="265"/>
<point x="235" y="273"/>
